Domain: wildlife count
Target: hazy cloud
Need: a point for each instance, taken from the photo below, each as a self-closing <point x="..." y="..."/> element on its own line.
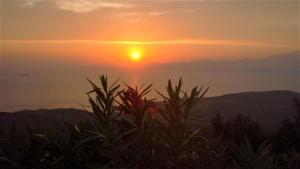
<point x="133" y="17"/>
<point x="159" y="13"/>
<point x="215" y="42"/>
<point x="30" y="3"/>
<point x="79" y="6"/>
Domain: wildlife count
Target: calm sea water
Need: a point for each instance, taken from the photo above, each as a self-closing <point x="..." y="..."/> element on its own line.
<point x="58" y="87"/>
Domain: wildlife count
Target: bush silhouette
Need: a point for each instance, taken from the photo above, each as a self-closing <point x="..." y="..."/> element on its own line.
<point x="131" y="131"/>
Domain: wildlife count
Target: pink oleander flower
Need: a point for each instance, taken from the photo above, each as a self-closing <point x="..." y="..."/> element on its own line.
<point x="132" y="98"/>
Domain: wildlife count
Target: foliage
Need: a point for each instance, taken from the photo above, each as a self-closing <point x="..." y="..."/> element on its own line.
<point x="237" y="129"/>
<point x="248" y="158"/>
<point x="287" y="137"/>
<point x="131" y="131"/>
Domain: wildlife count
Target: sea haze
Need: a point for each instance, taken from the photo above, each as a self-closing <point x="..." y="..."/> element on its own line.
<point x="29" y="84"/>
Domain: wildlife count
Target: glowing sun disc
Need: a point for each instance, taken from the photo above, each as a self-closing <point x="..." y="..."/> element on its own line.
<point x="135" y="54"/>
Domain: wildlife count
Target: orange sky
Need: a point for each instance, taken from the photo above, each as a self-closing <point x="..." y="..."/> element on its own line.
<point x="48" y="47"/>
<point x="104" y="32"/>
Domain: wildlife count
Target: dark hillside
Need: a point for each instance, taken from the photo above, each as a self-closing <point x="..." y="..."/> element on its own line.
<point x="267" y="108"/>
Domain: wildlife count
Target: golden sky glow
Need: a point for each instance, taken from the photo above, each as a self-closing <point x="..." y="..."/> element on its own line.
<point x="162" y="42"/>
<point x="165" y="31"/>
<point x="58" y="43"/>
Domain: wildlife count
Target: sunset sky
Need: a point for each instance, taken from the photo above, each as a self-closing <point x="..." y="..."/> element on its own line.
<point x="98" y="31"/>
<point x="48" y="47"/>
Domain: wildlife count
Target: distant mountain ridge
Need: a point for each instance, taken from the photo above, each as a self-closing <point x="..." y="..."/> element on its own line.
<point x="284" y="63"/>
<point x="267" y="108"/>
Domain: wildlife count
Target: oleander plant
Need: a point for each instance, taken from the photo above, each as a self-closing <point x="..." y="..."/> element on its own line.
<point x="129" y="130"/>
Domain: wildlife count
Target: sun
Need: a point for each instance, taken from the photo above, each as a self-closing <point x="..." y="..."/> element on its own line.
<point x="135" y="54"/>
